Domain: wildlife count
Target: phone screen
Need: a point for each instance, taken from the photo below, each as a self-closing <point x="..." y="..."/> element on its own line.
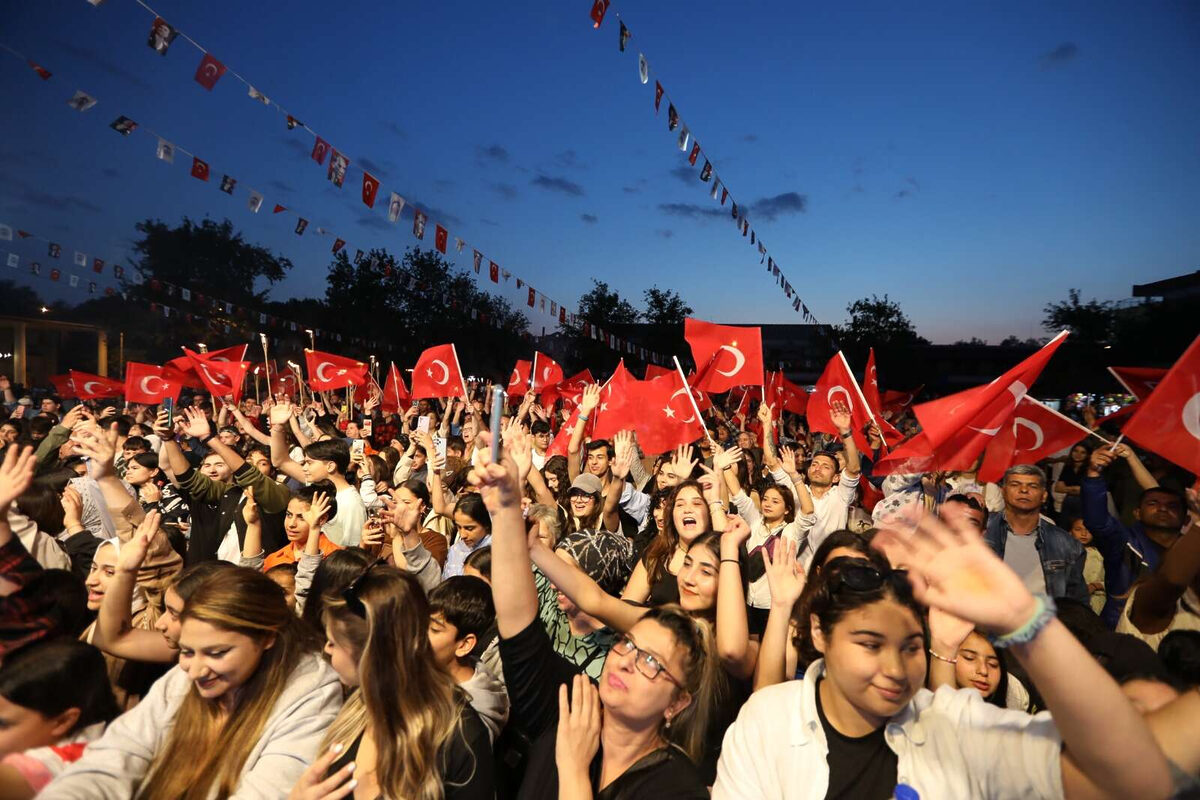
<point x="168" y="405"/>
<point x="423" y="424"/>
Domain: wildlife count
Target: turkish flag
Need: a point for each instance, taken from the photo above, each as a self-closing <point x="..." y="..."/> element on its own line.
<point x="90" y="387"/>
<point x="558" y="447"/>
<point x="617" y="399"/>
<point x="785" y="395"/>
<point x="570" y="390"/>
<point x="894" y="402"/>
<point x="395" y="393"/>
<point x="655" y="371"/>
<point x="370" y="189"/>
<point x="1037" y="431"/>
<point x="284" y="383"/>
<point x="957" y="428"/>
<point x="494" y="271"/>
<point x="546" y="372"/>
<point x="185" y="364"/>
<point x="1120" y="415"/>
<point x="702" y="398"/>
<point x="209" y="71"/>
<point x="1138" y="381"/>
<point x="725" y="356"/>
<point x="219" y="376"/>
<point x="837" y="384"/>
<point x="437" y="374"/>
<point x="518" y="381"/>
<point x="145" y="383"/>
<point x="663" y="415"/>
<point x="1168" y="422"/>
<point x="891" y="436"/>
<point x="439" y="238"/>
<point x="63" y="385"/>
<point x="327" y="371"/>
<point x="199" y="169"/>
<point x="598" y="9"/>
<point x="320" y="150"/>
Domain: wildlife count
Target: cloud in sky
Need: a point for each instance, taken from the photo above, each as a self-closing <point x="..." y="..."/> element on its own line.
<point x="768" y="208"/>
<point x="590" y="219"/>
<point x="1059" y="56"/>
<point x="505" y="190"/>
<point x="552" y="183"/>
<point x="492" y="153"/>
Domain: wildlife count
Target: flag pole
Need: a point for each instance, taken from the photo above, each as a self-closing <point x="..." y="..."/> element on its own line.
<point x="533" y="371"/>
<point x="857" y="389"/>
<point x="396" y="384"/>
<point x="692" y="399"/>
<point x="262" y="337"/>
<point x="1115" y="444"/>
<point x="461" y="377"/>
<point x="257" y="393"/>
<point x="1068" y="419"/>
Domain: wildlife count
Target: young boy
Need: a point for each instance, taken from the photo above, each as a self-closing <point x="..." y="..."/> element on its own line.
<point x="460" y="613"/>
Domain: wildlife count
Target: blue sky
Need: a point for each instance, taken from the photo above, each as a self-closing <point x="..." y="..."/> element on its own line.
<point x="971" y="161"/>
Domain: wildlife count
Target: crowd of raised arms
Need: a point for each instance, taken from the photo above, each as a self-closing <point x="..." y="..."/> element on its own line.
<point x="322" y="601"/>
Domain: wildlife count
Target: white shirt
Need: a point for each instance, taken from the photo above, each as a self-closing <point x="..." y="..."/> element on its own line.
<point x="949" y="744"/>
<point x="345" y="529"/>
<point x="758" y="593"/>
<point x="832" y="510"/>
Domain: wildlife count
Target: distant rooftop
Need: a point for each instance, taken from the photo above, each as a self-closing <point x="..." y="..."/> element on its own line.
<point x="1179" y="286"/>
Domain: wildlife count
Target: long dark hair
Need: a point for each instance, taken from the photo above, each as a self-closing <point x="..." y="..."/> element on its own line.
<point x="335" y="573"/>
<point x="658" y="554"/>
<point x="54" y="676"/>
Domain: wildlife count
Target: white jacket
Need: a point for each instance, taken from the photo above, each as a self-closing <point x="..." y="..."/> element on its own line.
<point x="796" y="532"/>
<point x="113" y="766"/>
<point x="950" y="745"/>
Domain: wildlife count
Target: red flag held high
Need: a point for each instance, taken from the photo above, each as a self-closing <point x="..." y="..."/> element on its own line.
<point x="894" y="402"/>
<point x="617" y="397"/>
<point x="837" y="384"/>
<point x="655" y="371"/>
<point x="1138" y="381"/>
<point x="91" y="387"/>
<point x="328" y="371"/>
<point x="63" y="386"/>
<point x="1168" y="422"/>
<point x="702" y="398"/>
<point x="558" y="447"/>
<point x="570" y="390"/>
<point x="725" y="356"/>
<point x="546" y="372"/>
<point x="219" y="376"/>
<point x="1037" y="432"/>
<point x="440" y="235"/>
<point x="785" y="395"/>
<point x="870" y="388"/>
<point x="395" y="393"/>
<point x="438" y="374"/>
<point x="518" y="381"/>
<point x="209" y="71"/>
<point x="663" y="415"/>
<point x="146" y="383"/>
<point x="199" y="169"/>
<point x="369" y="189"/>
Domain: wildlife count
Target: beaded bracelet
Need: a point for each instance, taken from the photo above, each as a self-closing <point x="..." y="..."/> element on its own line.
<point x="1029" y="631"/>
<point x="934" y="653"/>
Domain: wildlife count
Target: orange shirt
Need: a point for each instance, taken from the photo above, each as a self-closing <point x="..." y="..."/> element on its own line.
<point x="290" y="553"/>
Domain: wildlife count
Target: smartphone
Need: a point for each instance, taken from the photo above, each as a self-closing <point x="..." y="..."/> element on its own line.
<point x="439" y="445"/>
<point x="358" y="446"/>
<point x="18" y="412"/>
<point x="168" y="405"/>
<point x="497" y="412"/>
<point x="423" y="424"/>
<point x="366" y="428"/>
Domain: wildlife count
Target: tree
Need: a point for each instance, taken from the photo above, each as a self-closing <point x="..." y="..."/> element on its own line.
<point x="20" y="301"/>
<point x="1017" y="341"/>
<point x="974" y="341"/>
<point x="665" y="307"/>
<point x="603" y="307"/>
<point x="1092" y="322"/>
<point x="875" y="322"/>
<point x="208" y="257"/>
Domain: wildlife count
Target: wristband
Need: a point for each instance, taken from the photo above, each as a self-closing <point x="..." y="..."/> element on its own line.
<point x="933" y="653"/>
<point x="1028" y="632"/>
<point x="731" y="561"/>
<point x="208" y="439"/>
<point x="582" y="418"/>
<point x="847" y="435"/>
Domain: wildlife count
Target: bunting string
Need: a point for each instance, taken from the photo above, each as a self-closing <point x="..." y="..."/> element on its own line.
<point x="211" y="70"/>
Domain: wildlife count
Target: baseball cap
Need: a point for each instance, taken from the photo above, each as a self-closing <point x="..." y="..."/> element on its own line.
<point x="587" y="483"/>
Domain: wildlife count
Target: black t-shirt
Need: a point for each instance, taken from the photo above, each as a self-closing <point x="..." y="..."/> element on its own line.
<point x="860" y="768"/>
<point x="533" y="672"/>
<point x="665" y="588"/>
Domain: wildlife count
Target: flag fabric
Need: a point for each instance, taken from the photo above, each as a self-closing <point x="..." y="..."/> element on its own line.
<point x="870" y="388"/>
<point x="705" y="174"/>
<point x="255" y="202"/>
<point x="518" y="380"/>
<point x="199" y="169"/>
<point x="55" y="274"/>
<point x="617" y="397"/>
<point x="369" y="188"/>
<point x="1037" y="432"/>
<point x="221" y="378"/>
<point x="894" y="402"/>
<point x="694" y="154"/>
<point x="440" y="236"/>
<point x="958" y="427"/>
<point x="562" y="439"/>
<point x="684" y="135"/>
<point x="599" y="7"/>
<point x="81" y="101"/>
<point x="80" y="259"/>
<point x="338" y="244"/>
<point x="14" y="260"/>
<point x="1138" y="381"/>
<point x="92" y="387"/>
<point x="328" y="371"/>
<point x="624" y="37"/>
<point x="320" y="150"/>
<point x="494" y="271"/>
<point x="437" y="374"/>
<point x="337" y="168"/>
<point x="663" y="415"/>
<point x="42" y="72"/>
<point x="546" y="372"/>
<point x="255" y="94"/>
<point x="63" y="386"/>
<point x="278" y="208"/>
<point x="643" y="69"/>
<point x="1168" y="422"/>
<point x="655" y="371"/>
<point x="228" y="182"/>
<point x="209" y="71"/>
<point x="97" y="265"/>
<point x="301" y="224"/>
<point x="54" y="250"/>
<point x="395" y="206"/>
<point x="658" y="96"/>
<point x="419" y="219"/>
<point x="785" y="395"/>
<point x="532" y="296"/>
<point x="672" y="117"/>
<point x="145" y="383"/>
<point x="161" y="36"/>
<point x="6" y="233"/>
<point x="123" y="125"/>
<point x="837" y="384"/>
<point x="725" y="356"/>
<point x="395" y="393"/>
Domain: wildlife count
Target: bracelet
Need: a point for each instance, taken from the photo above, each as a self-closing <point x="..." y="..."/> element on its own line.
<point x="934" y="653"/>
<point x="582" y="418"/>
<point x="731" y="561"/>
<point x="1028" y="632"/>
<point x="847" y="435"/>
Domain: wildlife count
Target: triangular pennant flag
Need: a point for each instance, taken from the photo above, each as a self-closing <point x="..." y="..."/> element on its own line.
<point x="279" y="208"/>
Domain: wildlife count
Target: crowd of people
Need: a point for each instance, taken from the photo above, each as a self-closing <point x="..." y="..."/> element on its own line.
<point x="320" y="600"/>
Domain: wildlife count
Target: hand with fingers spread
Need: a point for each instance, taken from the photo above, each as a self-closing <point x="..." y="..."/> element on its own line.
<point x="787" y="459"/>
<point x="684" y="462"/>
<point x="727" y="458"/>
<point x="954" y="569"/>
<point x="72" y="417"/>
<point x="317" y="509"/>
<point x="578" y="737"/>
<point x="149" y="492"/>
<point x="519" y="446"/>
<point x="313" y="785"/>
<point x="92" y="442"/>
<point x="195" y="425"/>
<point x="623" y="454"/>
<point x="281" y="413"/>
<point x="16" y="473"/>
<point x="785" y="576"/>
<point x="133" y="552"/>
<point x="499" y="484"/>
<point x="839" y="415"/>
<point x="590" y="399"/>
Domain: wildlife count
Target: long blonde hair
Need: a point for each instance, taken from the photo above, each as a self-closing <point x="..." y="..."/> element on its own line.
<point x="411" y="705"/>
<point x="206" y="750"/>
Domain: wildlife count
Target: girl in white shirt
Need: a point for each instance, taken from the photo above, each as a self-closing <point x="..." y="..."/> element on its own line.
<point x="860" y="722"/>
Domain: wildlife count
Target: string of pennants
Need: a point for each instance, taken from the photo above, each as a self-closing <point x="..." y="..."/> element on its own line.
<point x="210" y="70"/>
<point x="690" y="144"/>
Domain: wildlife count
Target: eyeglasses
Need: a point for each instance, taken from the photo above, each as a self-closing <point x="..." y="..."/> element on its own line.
<point x="645" y="663"/>
<point x="860" y="576"/>
<point x="350" y="593"/>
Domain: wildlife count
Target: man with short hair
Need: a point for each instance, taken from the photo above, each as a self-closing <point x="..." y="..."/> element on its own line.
<point x="52" y="406"/>
<point x="833" y="488"/>
<point x="964" y="509"/>
<point x="540" y="438"/>
<point x="1048" y="559"/>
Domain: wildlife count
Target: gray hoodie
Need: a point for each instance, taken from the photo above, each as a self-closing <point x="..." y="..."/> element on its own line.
<point x="489" y="699"/>
<point x="113" y="766"/>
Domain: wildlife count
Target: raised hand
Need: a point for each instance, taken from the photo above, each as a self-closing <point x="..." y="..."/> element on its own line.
<point x="250" y="507"/>
<point x="954" y="570"/>
<point x="1099" y="460"/>
<point x="590" y="399"/>
<point x="16" y="473"/>
<point x="787" y="459"/>
<point x="72" y="503"/>
<point x="160" y="427"/>
<point x="736" y="531"/>
<point x="709" y="485"/>
<point x="372" y="533"/>
<point x="91" y="442"/>
<point x="764" y="415"/>
<point x="947" y="632"/>
<point x="281" y="413"/>
<point x="578" y="736"/>
<point x="149" y="492"/>
<point x="727" y="458"/>
<point x="317" y="509"/>
<point x="785" y="576"/>
<point x="519" y="447"/>
<point x="622" y="454"/>
<point x="499" y="484"/>
<point x="684" y="461"/>
<point x="133" y="552"/>
<point x="72" y="417"/>
<point x="195" y="424"/>
<point x="839" y="415"/>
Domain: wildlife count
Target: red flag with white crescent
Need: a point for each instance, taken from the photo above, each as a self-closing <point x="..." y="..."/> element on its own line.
<point x="438" y="374"/>
<point x="395" y="393"/>
<point x="1036" y="432"/>
<point x="146" y="383"/>
<point x="726" y="356"/>
<point x="1168" y="422"/>
<point x="328" y="371"/>
<point x="518" y="379"/>
<point x="91" y="387"/>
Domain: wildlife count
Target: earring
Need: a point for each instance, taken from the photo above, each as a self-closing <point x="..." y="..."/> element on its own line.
<point x="668" y="726"/>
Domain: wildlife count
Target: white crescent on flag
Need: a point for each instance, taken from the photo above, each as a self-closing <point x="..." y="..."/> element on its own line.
<point x="678" y="392"/>
<point x="87" y="384"/>
<point x="1033" y="426"/>
<point x="737" y="354"/>
<point x="515" y="379"/>
<point x="445" y="372"/>
<point x="320" y="372"/>
<point x="1017" y="390"/>
<point x="833" y="390"/>
<point x="1191" y="415"/>
<point x="145" y="384"/>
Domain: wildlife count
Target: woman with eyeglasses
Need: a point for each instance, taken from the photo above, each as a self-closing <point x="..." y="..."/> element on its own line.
<point x="860" y="723"/>
<point x="407" y="730"/>
<point x="635" y="736"/>
<point x="242" y="715"/>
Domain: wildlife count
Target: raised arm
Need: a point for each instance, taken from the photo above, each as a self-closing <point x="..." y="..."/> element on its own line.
<point x="839" y="414"/>
<point x="587" y="405"/>
<point x="738" y="654"/>
<point x="786" y="579"/>
<point x="281" y="415"/>
<point x="1140" y="474"/>
<point x="770" y="461"/>
<point x="16" y="473"/>
<point x="249" y="428"/>
<point x="582" y="590"/>
<point x="1156" y="600"/>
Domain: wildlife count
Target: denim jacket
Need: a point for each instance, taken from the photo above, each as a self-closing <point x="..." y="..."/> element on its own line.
<point x="1062" y="557"/>
<point x="1127" y="551"/>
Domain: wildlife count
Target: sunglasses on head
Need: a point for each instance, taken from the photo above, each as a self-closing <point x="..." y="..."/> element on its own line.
<point x="862" y="576"/>
<point x="350" y="593"/>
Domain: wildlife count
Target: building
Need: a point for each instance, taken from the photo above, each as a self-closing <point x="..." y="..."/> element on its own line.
<point x="31" y="348"/>
<point x="1181" y="287"/>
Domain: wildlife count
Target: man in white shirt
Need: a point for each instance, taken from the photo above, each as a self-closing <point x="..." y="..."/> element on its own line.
<point x="832" y="493"/>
